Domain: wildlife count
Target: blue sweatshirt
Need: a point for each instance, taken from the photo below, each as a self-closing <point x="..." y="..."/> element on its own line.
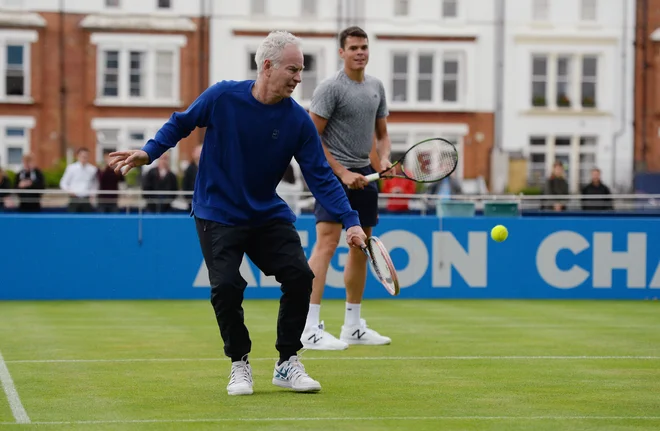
<point x="247" y="148"/>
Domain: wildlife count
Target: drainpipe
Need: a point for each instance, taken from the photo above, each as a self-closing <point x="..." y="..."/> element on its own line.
<point x="499" y="71"/>
<point x="622" y="102"/>
<point x="63" y="105"/>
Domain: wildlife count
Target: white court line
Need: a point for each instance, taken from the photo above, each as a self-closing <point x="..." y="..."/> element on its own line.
<point x="15" y="404"/>
<point x="346" y="358"/>
<point x="332" y="419"/>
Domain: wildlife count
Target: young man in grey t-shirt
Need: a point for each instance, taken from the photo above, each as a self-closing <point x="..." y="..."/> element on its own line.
<point x="347" y="109"/>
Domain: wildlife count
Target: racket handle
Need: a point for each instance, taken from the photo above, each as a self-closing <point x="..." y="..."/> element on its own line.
<point x="372" y="177"/>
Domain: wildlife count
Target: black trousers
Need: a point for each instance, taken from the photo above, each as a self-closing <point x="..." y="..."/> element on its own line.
<point x="276" y="249"/>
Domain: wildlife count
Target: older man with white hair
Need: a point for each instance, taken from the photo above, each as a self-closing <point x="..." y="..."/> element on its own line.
<point x="253" y="130"/>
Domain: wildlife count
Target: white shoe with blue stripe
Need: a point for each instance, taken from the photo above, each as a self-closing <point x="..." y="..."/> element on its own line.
<point x="291" y="374"/>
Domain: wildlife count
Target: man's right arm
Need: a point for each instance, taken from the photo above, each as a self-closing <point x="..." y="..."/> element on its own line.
<point x="181" y="124"/>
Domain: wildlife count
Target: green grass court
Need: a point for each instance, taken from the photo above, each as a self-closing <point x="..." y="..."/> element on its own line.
<point x="452" y="365"/>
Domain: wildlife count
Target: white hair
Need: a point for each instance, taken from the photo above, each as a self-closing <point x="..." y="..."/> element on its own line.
<point x="272" y="46"/>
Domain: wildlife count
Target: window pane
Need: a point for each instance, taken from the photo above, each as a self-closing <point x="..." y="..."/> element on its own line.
<point x="540" y="10"/>
<point x="15" y="84"/>
<point x="310" y="76"/>
<point x="562" y="142"/>
<point x="135" y="81"/>
<point x="164" y="4"/>
<point x="589" y="8"/>
<point x="450" y="8"/>
<point x="589" y="65"/>
<point x="111" y="3"/>
<point x="425" y="90"/>
<point x="14" y="155"/>
<point x="257" y="7"/>
<point x="15" y="55"/>
<point x="537" y="141"/>
<point x="425" y="64"/>
<point x="539" y="66"/>
<point x="12" y="132"/>
<point x="450" y="91"/>
<point x="451" y="67"/>
<point x="309" y="7"/>
<point x="400" y="7"/>
<point x="165" y="74"/>
<point x="107" y="136"/>
<point x="399" y="90"/>
<point x="111" y="74"/>
<point x="588" y="142"/>
<point x="400" y="64"/>
<point x="136" y="136"/>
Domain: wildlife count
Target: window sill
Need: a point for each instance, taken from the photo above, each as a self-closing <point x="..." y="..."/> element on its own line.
<point x="576" y="112"/>
<point x="17" y="100"/>
<point x="139" y="103"/>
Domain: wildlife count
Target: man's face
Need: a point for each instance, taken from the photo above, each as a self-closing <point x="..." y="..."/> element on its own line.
<point x="355" y="52"/>
<point x="83" y="157"/>
<point x="595" y="176"/>
<point x="284" y="79"/>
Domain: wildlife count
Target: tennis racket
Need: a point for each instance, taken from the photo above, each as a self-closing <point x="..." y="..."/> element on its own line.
<point x="382" y="265"/>
<point x="427" y="161"/>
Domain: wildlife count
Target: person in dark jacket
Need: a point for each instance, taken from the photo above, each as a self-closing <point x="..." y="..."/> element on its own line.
<point x="557" y="185"/>
<point x="596" y="187"/>
<point x="5" y="184"/>
<point x="160" y="178"/>
<point x="108" y="181"/>
<point x="190" y="174"/>
<point x="29" y="178"/>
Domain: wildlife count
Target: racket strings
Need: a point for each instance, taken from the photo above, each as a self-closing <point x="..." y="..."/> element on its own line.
<point x="430" y="161"/>
<point x="380" y="265"/>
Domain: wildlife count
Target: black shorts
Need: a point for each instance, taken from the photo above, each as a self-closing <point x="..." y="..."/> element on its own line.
<point x="364" y="201"/>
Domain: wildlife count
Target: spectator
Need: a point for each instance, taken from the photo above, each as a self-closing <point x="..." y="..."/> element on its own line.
<point x="190" y="174"/>
<point x="80" y="181"/>
<point x="29" y="178"/>
<point x="596" y="187"/>
<point x="109" y="181"/>
<point x="398" y="186"/>
<point x="160" y="179"/>
<point x="558" y="186"/>
<point x="4" y="185"/>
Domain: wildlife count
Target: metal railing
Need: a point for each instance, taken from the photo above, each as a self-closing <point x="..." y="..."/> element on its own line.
<point x="131" y="200"/>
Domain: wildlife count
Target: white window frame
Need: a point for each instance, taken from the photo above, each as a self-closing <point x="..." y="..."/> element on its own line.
<point x="412" y="77"/>
<point x="24" y="38"/>
<point x="589" y="11"/>
<point x="23" y="142"/>
<point x="125" y="126"/>
<point x="149" y="44"/>
<point x="540" y="10"/>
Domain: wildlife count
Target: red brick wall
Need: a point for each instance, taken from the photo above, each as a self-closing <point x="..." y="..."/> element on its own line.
<point x="80" y="84"/>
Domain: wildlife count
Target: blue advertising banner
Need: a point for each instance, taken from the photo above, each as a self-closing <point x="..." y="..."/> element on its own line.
<point x="49" y="257"/>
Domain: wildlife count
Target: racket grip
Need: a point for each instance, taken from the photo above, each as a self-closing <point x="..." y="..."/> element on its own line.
<point x="372" y="177"/>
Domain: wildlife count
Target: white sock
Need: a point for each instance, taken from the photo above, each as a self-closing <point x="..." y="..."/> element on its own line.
<point x="352" y="316"/>
<point x="313" y="315"/>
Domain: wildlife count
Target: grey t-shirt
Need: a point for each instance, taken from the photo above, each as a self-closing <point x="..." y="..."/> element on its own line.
<point x="351" y="109"/>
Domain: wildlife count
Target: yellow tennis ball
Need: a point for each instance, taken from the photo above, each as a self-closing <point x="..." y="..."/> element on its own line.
<point x="499" y="233"/>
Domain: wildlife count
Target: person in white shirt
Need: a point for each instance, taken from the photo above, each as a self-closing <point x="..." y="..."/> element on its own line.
<point x="80" y="181"/>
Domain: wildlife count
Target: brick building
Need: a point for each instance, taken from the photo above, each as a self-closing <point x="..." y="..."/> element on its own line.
<point x="104" y="75"/>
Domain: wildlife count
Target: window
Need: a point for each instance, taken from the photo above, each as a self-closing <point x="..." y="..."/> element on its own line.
<point x="252" y="66"/>
<point x="400" y="77"/>
<point x="588" y="147"/>
<point x="14" y="142"/>
<point x="164" y="4"/>
<point x="588" y="10"/>
<point x="589" y="79"/>
<point x="449" y="8"/>
<point x="539" y="80"/>
<point x="258" y="7"/>
<point x="309" y="7"/>
<point x="128" y="75"/>
<point x="136" y="74"/>
<point x="540" y="10"/>
<point x="425" y="78"/>
<point x="564" y="82"/>
<point x="401" y="8"/>
<point x="15" y="74"/>
<point x="450" y="80"/>
<point x="111" y="74"/>
<point x="112" y="3"/>
<point x="310" y="76"/>
<point x="164" y="74"/>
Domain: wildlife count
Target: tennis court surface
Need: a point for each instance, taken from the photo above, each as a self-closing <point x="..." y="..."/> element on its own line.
<point x="452" y="365"/>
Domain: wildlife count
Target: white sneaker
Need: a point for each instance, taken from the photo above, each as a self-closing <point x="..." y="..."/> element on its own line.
<point x="291" y="375"/>
<point x="360" y="334"/>
<point x="316" y="338"/>
<point x="240" y="379"/>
